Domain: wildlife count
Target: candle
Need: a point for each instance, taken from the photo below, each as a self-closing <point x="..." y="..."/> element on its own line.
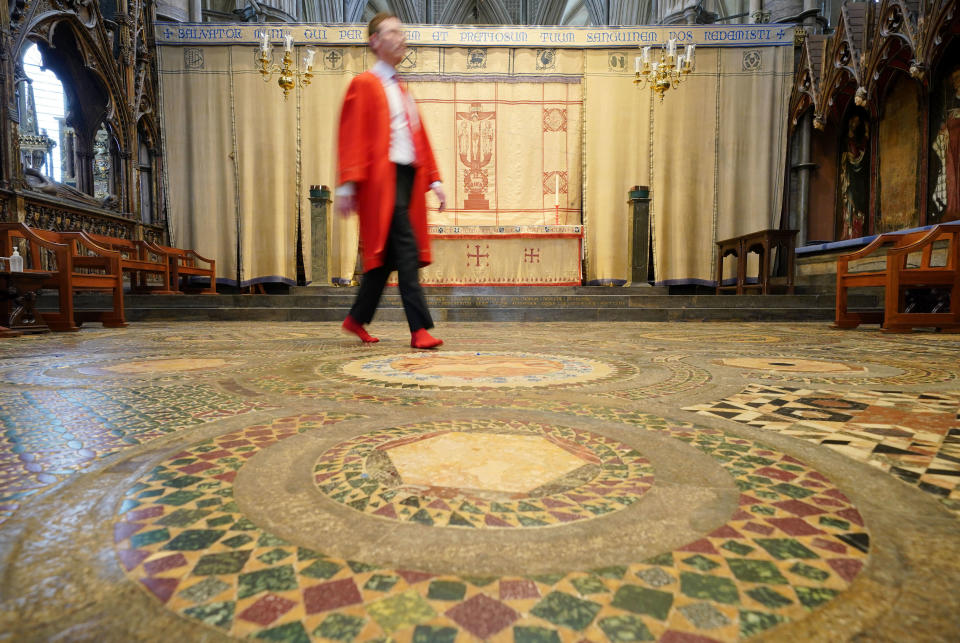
<point x="264" y="43"/>
<point x="671" y="47"/>
<point x="646" y="55"/>
<point x="680" y="63"/>
<point x="636" y="65"/>
<point x="287" y="42"/>
<point x="556" y="189"/>
<point x="689" y="57"/>
<point x="308" y="59"/>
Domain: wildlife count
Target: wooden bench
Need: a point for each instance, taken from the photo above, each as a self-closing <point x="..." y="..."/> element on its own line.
<point x="901" y="272"/>
<point x="76" y="264"/>
<point x="139" y="259"/>
<point x="185" y="264"/>
<point x="761" y="242"/>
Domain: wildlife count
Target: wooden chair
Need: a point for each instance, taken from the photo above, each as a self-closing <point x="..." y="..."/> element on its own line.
<point x="139" y="259"/>
<point x="762" y="242"/>
<point x="76" y="264"/>
<point x="900" y="272"/>
<point x="185" y="264"/>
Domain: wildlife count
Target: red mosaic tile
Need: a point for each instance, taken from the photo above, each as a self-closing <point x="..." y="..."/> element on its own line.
<point x="386" y="510"/>
<point x="510" y="589"/>
<point x="758" y="528"/>
<point x="798" y="508"/>
<point x="197" y="467"/>
<point x="413" y="577"/>
<point x="123" y="530"/>
<point x="740" y="514"/>
<point x="328" y="596"/>
<point x="830" y="545"/>
<point x="227" y="477"/>
<point x="702" y="546"/>
<point x="565" y="517"/>
<point x="747" y="500"/>
<point x="493" y="521"/>
<point x="553" y="503"/>
<point x="776" y="474"/>
<point x="726" y="531"/>
<point x="213" y="455"/>
<point x="794" y="526"/>
<point x="836" y="493"/>
<point x="233" y="443"/>
<point x="439" y="504"/>
<point x="159" y="565"/>
<point x="266" y="610"/>
<point x="848" y="568"/>
<point x="482" y="616"/>
<point x="162" y="588"/>
<point x="852" y="515"/>
<point x="132" y="557"/>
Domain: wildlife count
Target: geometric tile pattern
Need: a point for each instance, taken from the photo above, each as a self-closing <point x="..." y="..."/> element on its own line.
<point x="794" y="543"/>
<point x="683" y="377"/>
<point x="478" y="370"/>
<point x="50" y="434"/>
<point x="608" y="476"/>
<point x="914" y="436"/>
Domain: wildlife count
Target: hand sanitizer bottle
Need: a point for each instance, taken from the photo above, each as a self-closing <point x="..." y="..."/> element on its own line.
<point x="16" y="261"/>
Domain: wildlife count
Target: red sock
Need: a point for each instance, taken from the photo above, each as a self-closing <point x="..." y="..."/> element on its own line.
<point x="351" y="325"/>
<point x="420" y="338"/>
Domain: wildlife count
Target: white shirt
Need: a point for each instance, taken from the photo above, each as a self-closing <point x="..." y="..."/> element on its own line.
<point x="402" y="151"/>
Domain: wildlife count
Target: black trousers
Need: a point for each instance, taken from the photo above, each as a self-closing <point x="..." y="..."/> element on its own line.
<point x="403" y="256"/>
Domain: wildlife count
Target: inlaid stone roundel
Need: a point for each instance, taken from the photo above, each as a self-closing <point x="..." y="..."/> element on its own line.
<point x="477" y="369"/>
<point x="165" y="365"/>
<point x="490" y="474"/>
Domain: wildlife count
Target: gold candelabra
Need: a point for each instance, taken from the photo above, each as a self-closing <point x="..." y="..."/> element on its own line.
<point x="661" y="75"/>
<point x="288" y="76"/>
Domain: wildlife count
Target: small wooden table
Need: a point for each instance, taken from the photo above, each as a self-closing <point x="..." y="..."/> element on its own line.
<point x="18" y="298"/>
<point x="762" y="243"/>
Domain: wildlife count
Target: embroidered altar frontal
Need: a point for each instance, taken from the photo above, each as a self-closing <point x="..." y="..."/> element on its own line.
<point x="504" y="256"/>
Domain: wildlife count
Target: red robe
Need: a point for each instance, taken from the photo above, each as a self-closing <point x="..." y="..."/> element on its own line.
<point x="364" y="158"/>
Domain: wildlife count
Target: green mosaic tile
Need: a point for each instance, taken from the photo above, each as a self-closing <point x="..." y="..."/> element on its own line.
<point x="321" y="569"/>
<point x="434" y="634"/>
<point x="714" y="588"/>
<point x="308" y="554"/>
<point x="529" y="634"/>
<point x="220" y="521"/>
<point x="359" y="568"/>
<point x="181" y="497"/>
<point x="480" y="581"/>
<point x="589" y="585"/>
<point x="269" y="540"/>
<point x="149" y="537"/>
<point x="793" y="491"/>
<point x="274" y="556"/>
<point x="244" y="524"/>
<point x="217" y="614"/>
<point x="381" y="582"/>
<point x="402" y="610"/>
<point x="204" y="590"/>
<point x="288" y="633"/>
<point x="615" y="572"/>
<point x="548" y="579"/>
<point x="565" y="610"/>
<point x="182" y="481"/>
<point x="665" y="559"/>
<point x="813" y="596"/>
<point x="238" y="541"/>
<point x="641" y="600"/>
<point x="756" y="571"/>
<point x="808" y="571"/>
<point x="827" y="521"/>
<point x="702" y="563"/>
<point x="737" y="547"/>
<point x="276" y="579"/>
<point x="183" y="517"/>
<point x="755" y="622"/>
<point x="230" y="562"/>
<point x="655" y="577"/>
<point x="340" y="627"/>
<point x="784" y="548"/>
<point x="768" y="597"/>
<point x="625" y="628"/>
<point x="194" y="540"/>
<point x="442" y="590"/>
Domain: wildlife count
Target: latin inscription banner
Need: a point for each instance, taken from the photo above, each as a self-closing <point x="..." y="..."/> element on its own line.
<point x="180" y="33"/>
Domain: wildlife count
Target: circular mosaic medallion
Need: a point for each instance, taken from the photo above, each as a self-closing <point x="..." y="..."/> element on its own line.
<point x="794" y="543"/>
<point x="792" y="365"/>
<point x="163" y="365"/>
<point x="497" y="475"/>
<point x="477" y="370"/>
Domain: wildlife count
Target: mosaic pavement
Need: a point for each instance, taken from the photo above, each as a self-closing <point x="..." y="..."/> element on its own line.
<point x="547" y="482"/>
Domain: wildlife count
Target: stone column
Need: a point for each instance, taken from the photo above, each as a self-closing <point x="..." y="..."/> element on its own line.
<point x="802" y="167"/>
<point x="640" y="249"/>
<point x="319" y="242"/>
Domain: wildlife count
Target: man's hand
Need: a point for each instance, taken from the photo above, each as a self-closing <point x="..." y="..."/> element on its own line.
<point x="345" y="205"/>
<point x="441" y="196"/>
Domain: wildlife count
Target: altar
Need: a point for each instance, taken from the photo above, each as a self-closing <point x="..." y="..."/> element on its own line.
<point x="514" y="255"/>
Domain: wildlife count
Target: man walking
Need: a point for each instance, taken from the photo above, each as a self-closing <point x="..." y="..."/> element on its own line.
<point x="386" y="166"/>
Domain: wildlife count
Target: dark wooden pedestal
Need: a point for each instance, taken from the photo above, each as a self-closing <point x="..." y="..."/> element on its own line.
<point x="18" y="298"/>
<point x="762" y="242"/>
